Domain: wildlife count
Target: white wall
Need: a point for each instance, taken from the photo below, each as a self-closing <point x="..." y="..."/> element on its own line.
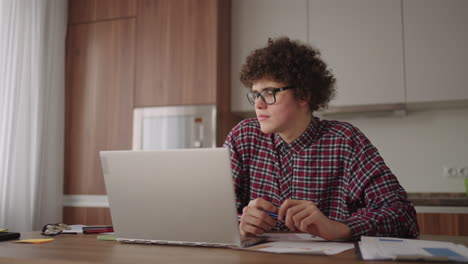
<point x="417" y="146"/>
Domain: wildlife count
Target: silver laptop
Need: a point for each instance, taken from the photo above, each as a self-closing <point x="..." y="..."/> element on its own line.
<point x="180" y="196"/>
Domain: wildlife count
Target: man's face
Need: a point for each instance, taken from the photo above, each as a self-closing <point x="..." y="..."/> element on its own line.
<point x="279" y="117"/>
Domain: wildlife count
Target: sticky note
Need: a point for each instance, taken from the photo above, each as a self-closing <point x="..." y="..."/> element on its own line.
<point x="35" y="241"/>
<point x="106" y="237"/>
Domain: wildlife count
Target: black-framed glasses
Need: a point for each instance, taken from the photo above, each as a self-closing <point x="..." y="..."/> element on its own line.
<point x="268" y="95"/>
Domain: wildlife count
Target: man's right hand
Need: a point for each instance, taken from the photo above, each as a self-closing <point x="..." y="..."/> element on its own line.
<point x="254" y="220"/>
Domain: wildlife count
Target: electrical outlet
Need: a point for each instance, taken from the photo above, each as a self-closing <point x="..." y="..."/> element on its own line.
<point x="463" y="171"/>
<point x="455" y="172"/>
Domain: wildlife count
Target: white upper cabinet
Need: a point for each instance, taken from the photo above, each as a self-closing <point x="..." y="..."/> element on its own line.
<point x="253" y="22"/>
<point x="362" y="42"/>
<point x="382" y="52"/>
<point x="436" y="49"/>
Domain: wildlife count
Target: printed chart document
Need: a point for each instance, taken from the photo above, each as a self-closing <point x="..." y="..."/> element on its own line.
<point x="299" y="243"/>
<point x="380" y="248"/>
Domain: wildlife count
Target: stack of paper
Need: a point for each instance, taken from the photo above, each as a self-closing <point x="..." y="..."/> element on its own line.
<point x="74" y="229"/>
<point x="299" y="243"/>
<point x="380" y="248"/>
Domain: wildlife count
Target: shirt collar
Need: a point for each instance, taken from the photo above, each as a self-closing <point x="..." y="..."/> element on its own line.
<point x="303" y="140"/>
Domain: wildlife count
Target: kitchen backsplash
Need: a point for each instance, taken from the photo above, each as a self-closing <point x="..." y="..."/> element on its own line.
<point x="417" y="146"/>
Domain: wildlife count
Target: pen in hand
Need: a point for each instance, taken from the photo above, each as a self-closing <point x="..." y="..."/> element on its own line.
<point x="274" y="215"/>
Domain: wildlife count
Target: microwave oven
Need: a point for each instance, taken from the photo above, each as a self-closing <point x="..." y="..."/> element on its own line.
<point x="171" y="127"/>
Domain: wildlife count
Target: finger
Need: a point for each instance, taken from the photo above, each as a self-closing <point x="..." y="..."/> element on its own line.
<point x="257" y="222"/>
<point x="308" y="209"/>
<point x="290" y="213"/>
<point x="250" y="230"/>
<point x="292" y="203"/>
<point x="246" y="229"/>
<point x="308" y="222"/>
<point x="260" y="215"/>
<point x="263" y="204"/>
<point x="285" y="207"/>
<point x="303" y="218"/>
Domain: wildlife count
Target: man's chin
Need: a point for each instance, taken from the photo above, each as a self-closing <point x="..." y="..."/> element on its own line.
<point x="266" y="129"/>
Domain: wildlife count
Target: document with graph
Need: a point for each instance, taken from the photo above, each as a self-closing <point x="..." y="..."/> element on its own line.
<point x="380" y="248"/>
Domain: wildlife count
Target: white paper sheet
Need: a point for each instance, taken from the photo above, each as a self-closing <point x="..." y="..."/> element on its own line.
<point x="304" y="247"/>
<point x="75" y="229"/>
<point x="378" y="248"/>
<point x="290" y="237"/>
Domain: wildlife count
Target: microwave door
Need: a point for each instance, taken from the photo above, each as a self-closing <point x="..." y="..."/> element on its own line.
<point x="169" y="132"/>
<point x="172" y="127"/>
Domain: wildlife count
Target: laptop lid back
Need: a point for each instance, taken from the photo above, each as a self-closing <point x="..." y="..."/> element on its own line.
<point x="178" y="196"/>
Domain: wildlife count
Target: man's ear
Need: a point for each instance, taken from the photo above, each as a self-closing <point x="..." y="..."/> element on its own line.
<point x="304" y="100"/>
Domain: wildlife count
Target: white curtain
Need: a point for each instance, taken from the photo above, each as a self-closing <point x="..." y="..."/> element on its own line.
<point x="32" y="74"/>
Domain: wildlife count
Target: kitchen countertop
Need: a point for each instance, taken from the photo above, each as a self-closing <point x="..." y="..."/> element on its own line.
<point x="439" y="199"/>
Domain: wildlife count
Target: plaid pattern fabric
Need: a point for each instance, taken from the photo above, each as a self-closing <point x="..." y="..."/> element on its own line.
<point x="332" y="164"/>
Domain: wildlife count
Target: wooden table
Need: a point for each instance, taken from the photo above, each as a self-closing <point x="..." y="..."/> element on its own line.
<point x="87" y="249"/>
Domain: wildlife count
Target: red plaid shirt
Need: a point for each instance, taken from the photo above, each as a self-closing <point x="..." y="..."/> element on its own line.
<point x="332" y="164"/>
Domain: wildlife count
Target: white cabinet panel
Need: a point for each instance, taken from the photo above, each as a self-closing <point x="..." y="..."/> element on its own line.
<point x="362" y="42"/>
<point x="253" y="22"/>
<point x="436" y="54"/>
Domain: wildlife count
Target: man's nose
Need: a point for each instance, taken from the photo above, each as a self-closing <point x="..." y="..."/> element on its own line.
<point x="259" y="104"/>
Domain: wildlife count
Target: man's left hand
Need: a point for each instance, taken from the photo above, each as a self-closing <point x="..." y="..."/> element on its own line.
<point x="306" y="217"/>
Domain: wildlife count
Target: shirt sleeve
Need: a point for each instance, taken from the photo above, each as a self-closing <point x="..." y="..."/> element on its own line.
<point x="240" y="176"/>
<point x="378" y="203"/>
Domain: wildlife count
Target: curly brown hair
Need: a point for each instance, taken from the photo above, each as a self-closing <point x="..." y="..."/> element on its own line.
<point x="296" y="64"/>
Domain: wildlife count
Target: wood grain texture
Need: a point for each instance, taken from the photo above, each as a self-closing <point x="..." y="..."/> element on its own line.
<point x="226" y="120"/>
<point x="86" y="248"/>
<point x="86" y="216"/>
<point x="99" y="99"/>
<point x="84" y="11"/>
<point x="443" y="224"/>
<point x="176" y="57"/>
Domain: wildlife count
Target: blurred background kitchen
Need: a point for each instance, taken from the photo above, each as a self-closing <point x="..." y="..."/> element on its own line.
<point x="149" y="74"/>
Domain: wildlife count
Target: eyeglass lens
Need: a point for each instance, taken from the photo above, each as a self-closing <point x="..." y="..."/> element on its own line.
<point x="267" y="96"/>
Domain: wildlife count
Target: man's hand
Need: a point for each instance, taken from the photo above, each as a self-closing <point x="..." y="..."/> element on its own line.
<point x="306" y="217"/>
<point x="254" y="220"/>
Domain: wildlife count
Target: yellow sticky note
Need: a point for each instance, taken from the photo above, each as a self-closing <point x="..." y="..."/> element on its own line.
<point x="3" y="229"/>
<point x="35" y="241"/>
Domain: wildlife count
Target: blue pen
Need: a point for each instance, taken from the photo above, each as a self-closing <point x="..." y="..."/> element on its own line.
<point x="271" y="214"/>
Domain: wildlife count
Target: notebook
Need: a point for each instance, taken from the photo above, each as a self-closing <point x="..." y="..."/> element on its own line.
<point x="179" y="196"/>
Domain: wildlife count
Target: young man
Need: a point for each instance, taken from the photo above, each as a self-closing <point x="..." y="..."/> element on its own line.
<point x="320" y="177"/>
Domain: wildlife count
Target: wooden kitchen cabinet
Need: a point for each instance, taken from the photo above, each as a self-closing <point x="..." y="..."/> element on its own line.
<point x="84" y="11"/>
<point x="182" y="56"/>
<point x="87" y="215"/>
<point x="139" y="53"/>
<point x="447" y="224"/>
<point x="177" y="52"/>
<point x="99" y="99"/>
<point x="99" y="108"/>
<point x="253" y="22"/>
<point x="436" y="37"/>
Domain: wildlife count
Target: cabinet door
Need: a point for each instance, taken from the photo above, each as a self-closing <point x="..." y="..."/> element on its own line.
<point x="436" y="41"/>
<point x="443" y="224"/>
<point x="361" y="41"/>
<point x="83" y="11"/>
<point x="176" y="52"/>
<point x="253" y="22"/>
<point x="99" y="99"/>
